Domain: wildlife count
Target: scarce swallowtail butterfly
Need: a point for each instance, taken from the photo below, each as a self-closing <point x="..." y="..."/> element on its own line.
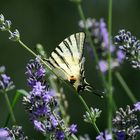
<point x="67" y="62"/>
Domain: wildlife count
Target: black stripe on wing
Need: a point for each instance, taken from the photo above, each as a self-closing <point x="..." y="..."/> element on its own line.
<point x="60" y="49"/>
<point x="68" y="47"/>
<point x="48" y="61"/>
<point x="69" y="39"/>
<point x="80" y="38"/>
<point x="63" y="60"/>
<point x="56" y="63"/>
<point x="76" y="40"/>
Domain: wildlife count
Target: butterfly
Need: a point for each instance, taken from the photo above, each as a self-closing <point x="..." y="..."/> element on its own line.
<point x="67" y="61"/>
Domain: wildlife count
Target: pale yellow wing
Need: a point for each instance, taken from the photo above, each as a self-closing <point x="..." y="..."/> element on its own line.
<point x="66" y="59"/>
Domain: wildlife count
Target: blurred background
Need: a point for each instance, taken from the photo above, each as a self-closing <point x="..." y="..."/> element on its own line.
<point x="48" y="22"/>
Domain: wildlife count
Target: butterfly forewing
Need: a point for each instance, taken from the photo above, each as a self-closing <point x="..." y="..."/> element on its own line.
<point x="67" y="58"/>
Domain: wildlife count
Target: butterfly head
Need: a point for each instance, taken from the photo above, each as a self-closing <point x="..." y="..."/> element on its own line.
<point x="80" y="88"/>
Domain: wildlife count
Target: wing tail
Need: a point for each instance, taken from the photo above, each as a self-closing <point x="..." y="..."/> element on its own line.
<point x="95" y="91"/>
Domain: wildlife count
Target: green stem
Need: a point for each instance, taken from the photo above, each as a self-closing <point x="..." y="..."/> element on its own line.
<point x="125" y="86"/>
<point x="87" y="108"/>
<point x="82" y="16"/>
<point x="29" y="50"/>
<point x="61" y="126"/>
<point x="16" y="97"/>
<point x="74" y="137"/>
<point x="109" y="68"/>
<point x="10" y="108"/>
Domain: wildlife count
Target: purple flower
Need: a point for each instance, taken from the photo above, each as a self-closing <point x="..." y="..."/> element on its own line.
<point x="38" y="126"/>
<point x="5" y="134"/>
<point x="120" y="55"/>
<point x="41" y="104"/>
<point x="6" y="79"/>
<point x="121" y="135"/>
<point x="100" y="38"/>
<point x="54" y="121"/>
<point x="73" y="129"/>
<point x="108" y="136"/>
<point x="35" y="72"/>
<point x="59" y="135"/>
<point x="130" y="45"/>
<point x="104" y="136"/>
<point x="103" y="66"/>
<point x="137" y="106"/>
<point x="100" y="137"/>
<point x="104" y="32"/>
<point x="15" y="133"/>
<point x="5" y="82"/>
<point x="104" y="38"/>
<point x="41" y="110"/>
<point x="38" y="88"/>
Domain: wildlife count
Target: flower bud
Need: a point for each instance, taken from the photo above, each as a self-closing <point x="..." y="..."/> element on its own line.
<point x="15" y="36"/>
<point x="7" y="25"/>
<point x="1" y="19"/>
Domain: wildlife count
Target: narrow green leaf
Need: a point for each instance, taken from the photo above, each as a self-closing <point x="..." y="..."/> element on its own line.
<point x="22" y="92"/>
<point x="15" y="99"/>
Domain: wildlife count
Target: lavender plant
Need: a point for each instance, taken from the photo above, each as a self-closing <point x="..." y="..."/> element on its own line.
<point x="125" y="124"/>
<point x="99" y="35"/>
<point x="46" y="103"/>
<point x="5" y="81"/>
<point x="16" y="133"/>
<point x="130" y="45"/>
<point x="42" y="105"/>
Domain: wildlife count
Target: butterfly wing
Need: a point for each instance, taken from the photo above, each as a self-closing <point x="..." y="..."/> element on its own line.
<point x="67" y="59"/>
<point x="67" y="62"/>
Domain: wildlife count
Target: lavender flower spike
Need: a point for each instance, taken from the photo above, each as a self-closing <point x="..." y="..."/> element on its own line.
<point x="130" y="45"/>
<point x="41" y="104"/>
<point x="5" y="82"/>
<point x="16" y="133"/>
<point x="15" y="36"/>
<point x="125" y="124"/>
<point x="35" y="72"/>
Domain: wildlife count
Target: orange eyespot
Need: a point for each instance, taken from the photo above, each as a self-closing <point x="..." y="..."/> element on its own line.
<point x="72" y="79"/>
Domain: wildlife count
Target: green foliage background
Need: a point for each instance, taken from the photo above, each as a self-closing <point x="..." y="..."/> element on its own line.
<point x="48" y="22"/>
